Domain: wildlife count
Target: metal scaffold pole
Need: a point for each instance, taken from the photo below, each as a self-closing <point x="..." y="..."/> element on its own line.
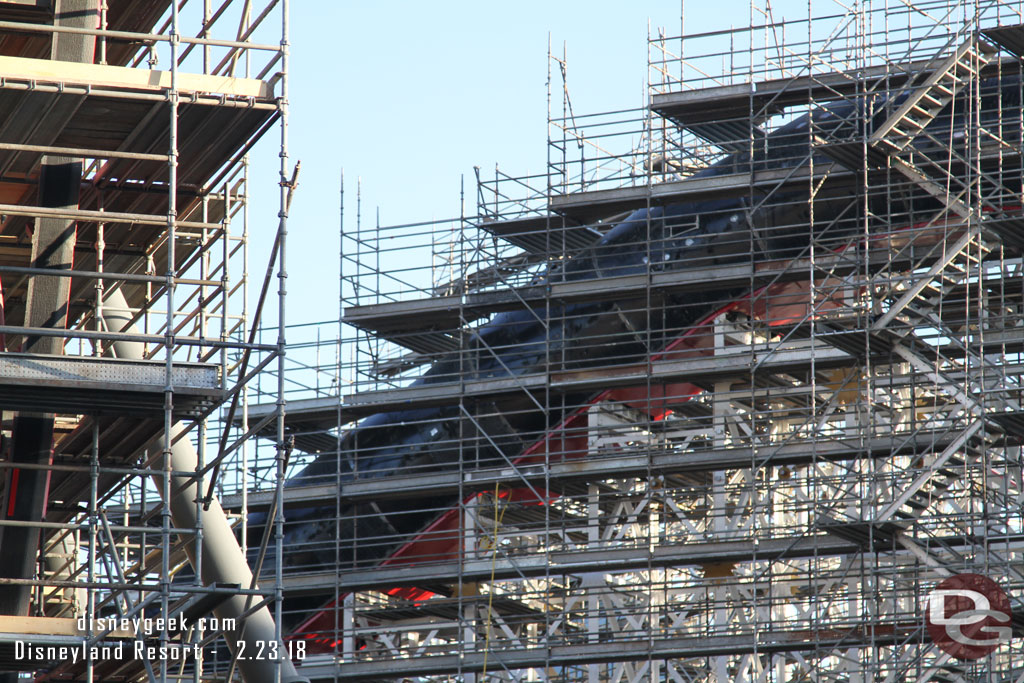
<point x="730" y="392"/>
<point x="125" y="157"/>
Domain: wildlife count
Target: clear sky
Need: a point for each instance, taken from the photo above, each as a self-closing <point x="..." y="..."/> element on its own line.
<point x="410" y="95"/>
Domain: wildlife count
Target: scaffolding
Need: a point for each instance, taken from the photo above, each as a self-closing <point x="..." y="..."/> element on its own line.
<point x="721" y="396"/>
<point x="126" y="351"/>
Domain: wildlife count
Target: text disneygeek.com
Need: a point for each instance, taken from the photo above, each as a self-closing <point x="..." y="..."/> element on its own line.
<point x="268" y="650"/>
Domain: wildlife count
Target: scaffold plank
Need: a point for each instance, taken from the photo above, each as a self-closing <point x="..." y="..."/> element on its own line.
<point x="764" y="641"/>
<point x="85" y="385"/>
<point x="763" y="98"/>
<point x="449" y="312"/>
<point x="13" y="627"/>
<point x="107" y="76"/>
<point x="735" y="364"/>
<point x="317" y="410"/>
<point x="598" y="559"/>
<point x="1011" y="37"/>
<point x="294" y="497"/>
<point x="329" y="412"/>
<point x="542" y="234"/>
<point x="28" y="11"/>
<point x="120" y="439"/>
<point x="653" y="463"/>
<point x="134" y="16"/>
<point x="590" y="205"/>
<point x="567" y="562"/>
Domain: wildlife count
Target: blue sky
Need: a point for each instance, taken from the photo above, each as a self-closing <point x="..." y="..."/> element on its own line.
<point x="409" y="96"/>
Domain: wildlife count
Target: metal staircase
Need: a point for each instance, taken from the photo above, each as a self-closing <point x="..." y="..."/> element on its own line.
<point x="910" y="314"/>
<point x="937" y="475"/>
<point x="902" y="142"/>
<point x="928" y="98"/>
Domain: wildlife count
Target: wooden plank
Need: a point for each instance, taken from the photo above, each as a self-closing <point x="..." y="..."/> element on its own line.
<point x="101" y="75"/>
<point x="50" y="626"/>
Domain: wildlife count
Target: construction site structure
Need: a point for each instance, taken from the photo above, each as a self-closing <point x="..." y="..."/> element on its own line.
<point x="126" y="343"/>
<point x="724" y="394"/>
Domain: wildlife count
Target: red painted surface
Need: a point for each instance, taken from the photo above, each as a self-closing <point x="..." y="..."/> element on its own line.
<point x="12" y="497"/>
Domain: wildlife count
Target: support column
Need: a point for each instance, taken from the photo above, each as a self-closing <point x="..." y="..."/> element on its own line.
<point x="60" y="181"/>
<point x="46" y="305"/>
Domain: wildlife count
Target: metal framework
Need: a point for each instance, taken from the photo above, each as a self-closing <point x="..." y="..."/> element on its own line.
<point x="125" y="347"/>
<point x="720" y="396"/>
